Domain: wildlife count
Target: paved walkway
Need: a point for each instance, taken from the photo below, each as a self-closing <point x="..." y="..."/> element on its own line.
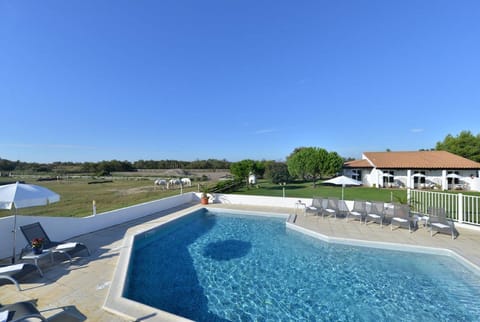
<point x="84" y="284"/>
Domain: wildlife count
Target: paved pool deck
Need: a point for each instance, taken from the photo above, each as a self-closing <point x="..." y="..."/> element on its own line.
<point x="83" y="285"/>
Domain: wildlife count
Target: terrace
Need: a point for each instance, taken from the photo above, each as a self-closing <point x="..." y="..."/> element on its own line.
<point x="85" y="283"/>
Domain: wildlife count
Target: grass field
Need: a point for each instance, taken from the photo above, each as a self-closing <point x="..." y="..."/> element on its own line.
<point x="77" y="195"/>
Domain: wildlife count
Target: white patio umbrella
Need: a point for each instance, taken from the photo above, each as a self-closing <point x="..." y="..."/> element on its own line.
<point x="343" y="181"/>
<point x="19" y="195"/>
<point x="454" y="176"/>
<point x="419" y="175"/>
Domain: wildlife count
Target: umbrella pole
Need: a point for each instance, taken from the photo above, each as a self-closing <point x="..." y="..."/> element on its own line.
<point x="14" y="234"/>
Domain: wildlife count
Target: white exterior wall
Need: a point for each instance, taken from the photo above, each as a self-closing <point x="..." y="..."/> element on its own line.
<point x="260" y="200"/>
<point x="473" y="183"/>
<point x="404" y="178"/>
<point x="368" y="179"/>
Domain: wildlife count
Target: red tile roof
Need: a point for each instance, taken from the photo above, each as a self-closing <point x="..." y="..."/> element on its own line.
<point x="364" y="163"/>
<point x="413" y="160"/>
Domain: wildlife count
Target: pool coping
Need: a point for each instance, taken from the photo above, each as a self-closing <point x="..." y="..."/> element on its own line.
<point x="387" y="245"/>
<point x="135" y="311"/>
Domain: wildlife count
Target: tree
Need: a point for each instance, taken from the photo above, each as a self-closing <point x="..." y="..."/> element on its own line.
<point x="465" y="144"/>
<point x="259" y="168"/>
<point x="6" y="165"/>
<point x="333" y="164"/>
<point x="242" y="169"/>
<point x="312" y="163"/>
<point x="277" y="172"/>
<point x="297" y="164"/>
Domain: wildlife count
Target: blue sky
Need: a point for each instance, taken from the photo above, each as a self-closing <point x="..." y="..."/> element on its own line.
<point x="186" y="80"/>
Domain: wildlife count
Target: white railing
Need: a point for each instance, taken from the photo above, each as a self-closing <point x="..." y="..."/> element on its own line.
<point x="459" y="207"/>
<point x="471" y="209"/>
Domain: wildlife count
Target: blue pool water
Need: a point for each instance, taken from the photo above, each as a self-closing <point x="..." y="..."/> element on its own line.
<point x="226" y="267"/>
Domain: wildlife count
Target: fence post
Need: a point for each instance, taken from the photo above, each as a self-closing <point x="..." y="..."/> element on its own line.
<point x="460" y="208"/>
<point x="408" y="196"/>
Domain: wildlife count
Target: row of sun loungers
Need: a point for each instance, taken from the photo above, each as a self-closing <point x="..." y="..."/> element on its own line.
<point x="396" y="215"/>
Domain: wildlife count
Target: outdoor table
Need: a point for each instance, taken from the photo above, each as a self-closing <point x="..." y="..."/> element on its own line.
<point x="421" y="217"/>
<point x="35" y="257"/>
<point x="62" y="249"/>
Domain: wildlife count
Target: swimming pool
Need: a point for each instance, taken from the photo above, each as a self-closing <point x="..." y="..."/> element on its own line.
<point x="223" y="266"/>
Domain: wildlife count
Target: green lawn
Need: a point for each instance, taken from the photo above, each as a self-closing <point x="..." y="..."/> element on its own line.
<point x="306" y="190"/>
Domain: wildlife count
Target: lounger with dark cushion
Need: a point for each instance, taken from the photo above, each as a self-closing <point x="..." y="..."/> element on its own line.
<point x="376" y="213"/>
<point x="35" y="230"/>
<point x="21" y="311"/>
<point x="331" y="208"/>
<point x="401" y="217"/>
<point x="316" y="207"/>
<point x="12" y="273"/>
<point x="358" y="211"/>
<point x="26" y="311"/>
<point x="439" y="223"/>
<point x="342" y="208"/>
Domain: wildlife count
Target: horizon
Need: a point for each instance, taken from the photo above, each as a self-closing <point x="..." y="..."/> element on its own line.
<point x="187" y="80"/>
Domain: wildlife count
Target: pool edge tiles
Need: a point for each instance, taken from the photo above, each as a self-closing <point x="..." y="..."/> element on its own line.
<point x="387" y="245"/>
<point x="248" y="212"/>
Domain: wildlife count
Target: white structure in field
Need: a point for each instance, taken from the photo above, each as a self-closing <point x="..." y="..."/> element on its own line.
<point x="252" y="178"/>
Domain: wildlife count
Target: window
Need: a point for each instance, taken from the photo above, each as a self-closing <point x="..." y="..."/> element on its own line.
<point x="453" y="177"/>
<point x="388" y="176"/>
<point x="419" y="177"/>
<point x="357" y="174"/>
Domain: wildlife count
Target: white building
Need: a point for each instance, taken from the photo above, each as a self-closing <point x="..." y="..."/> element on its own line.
<point x="252" y="178"/>
<point x="417" y="170"/>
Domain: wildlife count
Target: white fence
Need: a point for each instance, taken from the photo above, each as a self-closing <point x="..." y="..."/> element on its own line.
<point x="459" y="207"/>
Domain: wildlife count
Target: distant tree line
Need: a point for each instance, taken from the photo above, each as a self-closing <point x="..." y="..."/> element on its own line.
<point x="106" y="167"/>
<point x="304" y="163"/>
<point x="209" y="164"/>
